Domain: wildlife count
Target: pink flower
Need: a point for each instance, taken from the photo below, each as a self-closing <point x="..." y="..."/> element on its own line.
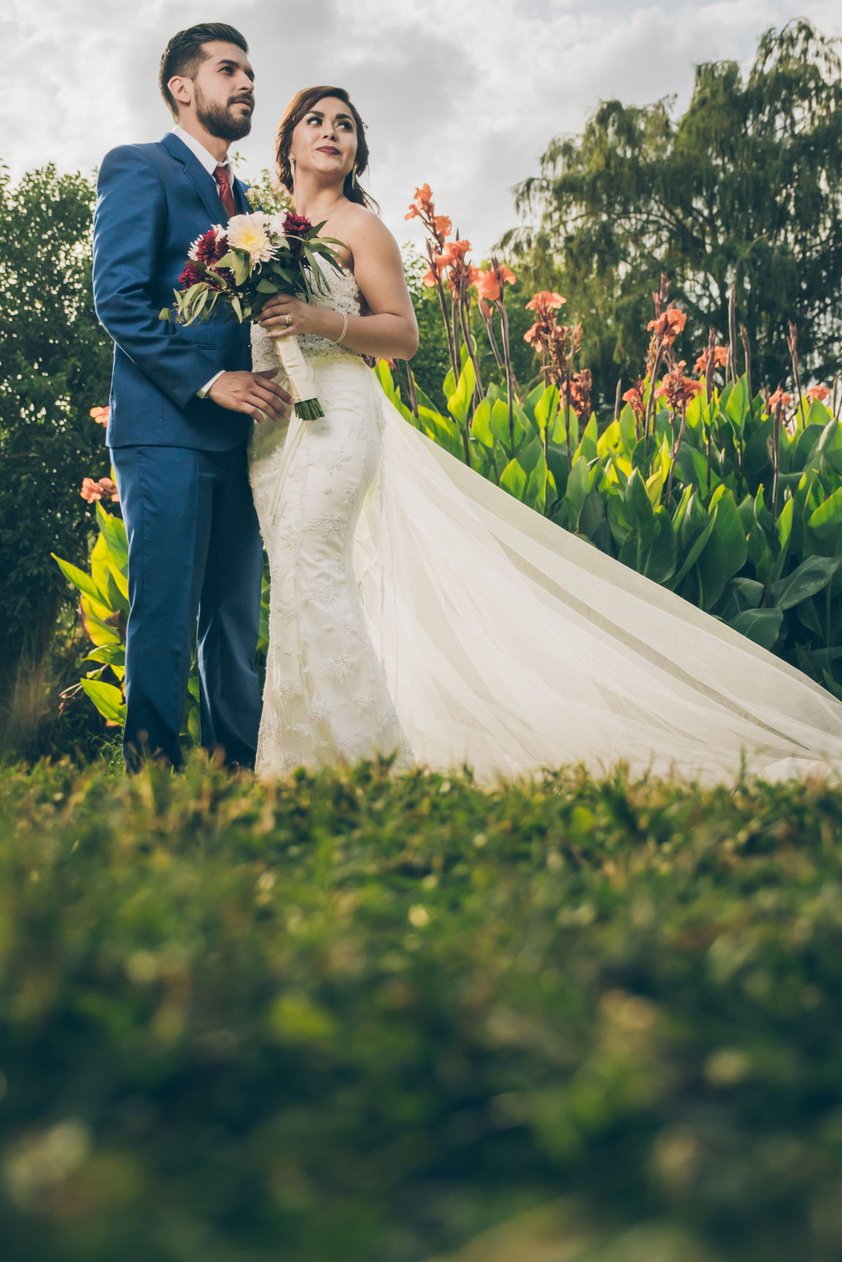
<point x="817" y="394"/>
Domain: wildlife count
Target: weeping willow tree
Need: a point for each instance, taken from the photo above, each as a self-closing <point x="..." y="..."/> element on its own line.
<point x="744" y="189"/>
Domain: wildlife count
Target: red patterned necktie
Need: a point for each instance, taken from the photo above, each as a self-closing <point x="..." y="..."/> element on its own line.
<point x="222" y="175"/>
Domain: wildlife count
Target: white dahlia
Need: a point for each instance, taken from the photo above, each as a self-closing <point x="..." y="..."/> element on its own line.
<point x="252" y="234"/>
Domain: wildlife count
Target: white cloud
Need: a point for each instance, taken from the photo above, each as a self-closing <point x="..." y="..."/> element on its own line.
<point x="463" y="97"/>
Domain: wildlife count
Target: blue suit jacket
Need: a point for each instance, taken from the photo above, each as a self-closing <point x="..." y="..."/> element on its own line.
<point x="153" y="201"/>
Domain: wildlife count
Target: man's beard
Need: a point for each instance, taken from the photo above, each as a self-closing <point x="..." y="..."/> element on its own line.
<point x="216" y="119"/>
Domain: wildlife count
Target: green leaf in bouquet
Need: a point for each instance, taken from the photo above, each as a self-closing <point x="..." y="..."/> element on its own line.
<point x="238" y="263"/>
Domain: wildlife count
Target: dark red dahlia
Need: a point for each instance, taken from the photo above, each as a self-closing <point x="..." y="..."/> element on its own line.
<point x="296" y="225"/>
<point x="191" y="276"/>
<point x="211" y="246"/>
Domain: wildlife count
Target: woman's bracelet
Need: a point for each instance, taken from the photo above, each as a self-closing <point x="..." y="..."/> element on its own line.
<point x="341" y="338"/>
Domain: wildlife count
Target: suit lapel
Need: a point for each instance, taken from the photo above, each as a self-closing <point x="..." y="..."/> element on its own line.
<point x="241" y="200"/>
<point x="203" y="183"/>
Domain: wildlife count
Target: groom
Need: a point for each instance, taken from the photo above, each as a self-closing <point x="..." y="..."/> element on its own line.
<point x="182" y="399"/>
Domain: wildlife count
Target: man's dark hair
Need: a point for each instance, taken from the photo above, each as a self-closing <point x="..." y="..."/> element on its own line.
<point x="184" y="54"/>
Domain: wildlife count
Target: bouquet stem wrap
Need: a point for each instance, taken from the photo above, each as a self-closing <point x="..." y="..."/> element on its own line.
<point x="302" y="383"/>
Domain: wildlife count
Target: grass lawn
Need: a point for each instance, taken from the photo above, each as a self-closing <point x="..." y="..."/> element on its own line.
<point x="368" y="1017"/>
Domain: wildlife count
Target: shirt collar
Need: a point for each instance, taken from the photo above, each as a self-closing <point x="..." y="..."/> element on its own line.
<point x="198" y="150"/>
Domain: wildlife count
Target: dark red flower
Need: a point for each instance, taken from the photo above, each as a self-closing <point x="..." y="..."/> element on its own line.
<point x="210" y="246"/>
<point x="296" y="225"/>
<point x="191" y="275"/>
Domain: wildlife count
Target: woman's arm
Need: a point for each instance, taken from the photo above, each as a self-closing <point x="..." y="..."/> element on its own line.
<point x="389" y="329"/>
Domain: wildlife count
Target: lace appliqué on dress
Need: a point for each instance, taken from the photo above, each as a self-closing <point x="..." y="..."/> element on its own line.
<point x="325" y="698"/>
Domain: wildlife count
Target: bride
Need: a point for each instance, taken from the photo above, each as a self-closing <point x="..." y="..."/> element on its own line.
<point x="417" y="610"/>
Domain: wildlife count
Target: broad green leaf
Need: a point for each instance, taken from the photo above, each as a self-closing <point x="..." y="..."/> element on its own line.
<point x="747" y="592"/>
<point x="725" y="552"/>
<point x="826" y="520"/>
<point x="481" y="424"/>
<point x="513" y="479"/>
<point x="108" y="699"/>
<point x="114" y="532"/>
<point x="761" y="625"/>
<point x="806" y="580"/>
<point x="78" y="578"/>
<point x="459" y="401"/>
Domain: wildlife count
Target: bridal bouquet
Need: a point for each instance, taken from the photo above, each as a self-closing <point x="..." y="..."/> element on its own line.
<point x="244" y="264"/>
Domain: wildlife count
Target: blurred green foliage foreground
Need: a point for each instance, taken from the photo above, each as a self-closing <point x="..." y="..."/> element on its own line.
<point x="396" y="1018"/>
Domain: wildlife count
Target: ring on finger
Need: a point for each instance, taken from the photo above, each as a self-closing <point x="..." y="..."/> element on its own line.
<point x="287" y="319"/>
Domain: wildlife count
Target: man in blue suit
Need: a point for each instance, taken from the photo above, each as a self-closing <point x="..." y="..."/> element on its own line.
<point x="182" y="402"/>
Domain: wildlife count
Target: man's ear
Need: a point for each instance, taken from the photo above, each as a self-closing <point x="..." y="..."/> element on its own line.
<point x="182" y="89"/>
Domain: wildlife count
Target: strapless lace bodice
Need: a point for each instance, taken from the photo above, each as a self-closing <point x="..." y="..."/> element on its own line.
<point x="338" y="292"/>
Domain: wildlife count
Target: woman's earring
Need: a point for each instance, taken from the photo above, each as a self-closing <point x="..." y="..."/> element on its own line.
<point x="354" y="178"/>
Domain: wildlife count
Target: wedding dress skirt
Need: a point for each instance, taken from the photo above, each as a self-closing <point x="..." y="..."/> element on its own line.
<point x="418" y="610"/>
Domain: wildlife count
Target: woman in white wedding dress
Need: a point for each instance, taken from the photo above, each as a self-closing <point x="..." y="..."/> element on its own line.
<point x="417" y="610"/>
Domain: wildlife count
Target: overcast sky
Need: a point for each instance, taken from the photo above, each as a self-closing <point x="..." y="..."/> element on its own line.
<point x="463" y="94"/>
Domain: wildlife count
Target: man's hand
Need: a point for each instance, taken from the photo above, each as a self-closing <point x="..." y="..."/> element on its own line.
<point x="254" y="393"/>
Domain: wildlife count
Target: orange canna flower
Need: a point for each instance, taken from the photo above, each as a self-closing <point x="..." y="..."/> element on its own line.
<point x="678" y="389"/>
<point x="720" y="359"/>
<point x="429" y="278"/>
<point x="817" y="393"/>
<point x="545" y="300"/>
<point x="489" y="284"/>
<point x="779" y="399"/>
<point x="100" y="415"/>
<point x="668" y="324"/>
<point x="443" y="225"/>
<point x="634" y="397"/>
<point x="421" y="203"/>
<point x="94" y="490"/>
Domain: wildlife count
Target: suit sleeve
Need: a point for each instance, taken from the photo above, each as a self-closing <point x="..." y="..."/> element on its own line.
<point x="129" y="220"/>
